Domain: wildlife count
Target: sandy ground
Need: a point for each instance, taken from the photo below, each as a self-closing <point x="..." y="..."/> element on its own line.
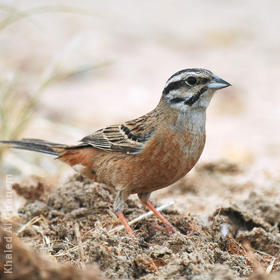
<point x="110" y="61"/>
<point x="75" y="224"/>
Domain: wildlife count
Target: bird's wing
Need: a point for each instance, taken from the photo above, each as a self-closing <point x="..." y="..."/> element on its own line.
<point x="128" y="138"/>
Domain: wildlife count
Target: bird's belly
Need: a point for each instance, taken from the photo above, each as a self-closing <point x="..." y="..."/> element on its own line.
<point x="160" y="164"/>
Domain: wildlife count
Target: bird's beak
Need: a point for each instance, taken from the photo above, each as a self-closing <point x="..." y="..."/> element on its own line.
<point x="218" y="83"/>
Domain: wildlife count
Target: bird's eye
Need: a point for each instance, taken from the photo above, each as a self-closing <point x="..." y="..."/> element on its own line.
<point x="191" y="80"/>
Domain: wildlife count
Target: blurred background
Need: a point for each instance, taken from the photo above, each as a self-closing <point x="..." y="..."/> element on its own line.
<point x="68" y="68"/>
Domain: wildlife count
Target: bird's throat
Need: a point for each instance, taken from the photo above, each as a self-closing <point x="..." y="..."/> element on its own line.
<point x="192" y="120"/>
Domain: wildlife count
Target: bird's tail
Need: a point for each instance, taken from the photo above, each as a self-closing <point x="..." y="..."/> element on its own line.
<point x="37" y="145"/>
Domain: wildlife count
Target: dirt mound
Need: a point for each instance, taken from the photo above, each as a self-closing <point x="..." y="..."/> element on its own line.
<point x="73" y="223"/>
<point x="19" y="262"/>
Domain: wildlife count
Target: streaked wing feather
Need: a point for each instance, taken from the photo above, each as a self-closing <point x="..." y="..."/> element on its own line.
<point x="128" y="138"/>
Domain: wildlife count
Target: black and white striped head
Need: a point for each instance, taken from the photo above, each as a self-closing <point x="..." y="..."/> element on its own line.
<point x="191" y="88"/>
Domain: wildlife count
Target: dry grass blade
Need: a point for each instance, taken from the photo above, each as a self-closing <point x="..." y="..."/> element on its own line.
<point x="80" y="245"/>
<point x="148" y="214"/>
<point x="251" y="256"/>
<point x="28" y="224"/>
<point x="73" y="249"/>
<point x="270" y="267"/>
<point x="18" y="15"/>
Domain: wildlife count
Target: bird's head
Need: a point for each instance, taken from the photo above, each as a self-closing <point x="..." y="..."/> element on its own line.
<point x="192" y="88"/>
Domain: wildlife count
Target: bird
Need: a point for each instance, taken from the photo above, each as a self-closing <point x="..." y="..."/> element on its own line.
<point x="147" y="153"/>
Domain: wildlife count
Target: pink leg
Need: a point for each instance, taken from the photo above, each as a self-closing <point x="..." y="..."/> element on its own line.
<point x="144" y="197"/>
<point x="169" y="227"/>
<point x="125" y="223"/>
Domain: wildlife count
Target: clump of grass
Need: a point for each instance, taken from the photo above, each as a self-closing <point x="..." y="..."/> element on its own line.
<point x="16" y="111"/>
<point x="16" y="106"/>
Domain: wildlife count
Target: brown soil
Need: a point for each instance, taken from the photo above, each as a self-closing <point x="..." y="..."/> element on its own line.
<point x="72" y="224"/>
<point x="28" y="264"/>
